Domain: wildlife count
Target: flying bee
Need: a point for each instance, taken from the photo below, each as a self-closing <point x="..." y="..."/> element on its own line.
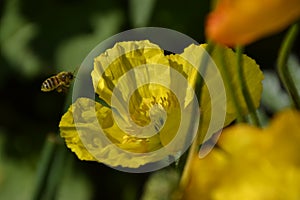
<point x="60" y="82"/>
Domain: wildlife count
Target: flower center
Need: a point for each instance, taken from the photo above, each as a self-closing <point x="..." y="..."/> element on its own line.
<point x="150" y="106"/>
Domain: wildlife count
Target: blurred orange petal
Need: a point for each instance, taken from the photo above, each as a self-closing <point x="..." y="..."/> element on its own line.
<point x="240" y="22"/>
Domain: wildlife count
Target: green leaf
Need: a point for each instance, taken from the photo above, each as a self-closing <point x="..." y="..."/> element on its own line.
<point x="253" y="78"/>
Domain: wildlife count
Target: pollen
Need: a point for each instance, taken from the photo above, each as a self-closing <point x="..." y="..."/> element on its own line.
<point x="154" y="108"/>
<point x="136" y="140"/>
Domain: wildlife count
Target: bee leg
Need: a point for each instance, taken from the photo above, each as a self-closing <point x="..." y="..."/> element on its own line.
<point x="64" y="89"/>
<point x="59" y="89"/>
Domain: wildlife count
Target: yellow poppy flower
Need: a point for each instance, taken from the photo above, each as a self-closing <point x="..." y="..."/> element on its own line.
<point x="251" y="163"/>
<point x="151" y="104"/>
<point x="241" y="22"/>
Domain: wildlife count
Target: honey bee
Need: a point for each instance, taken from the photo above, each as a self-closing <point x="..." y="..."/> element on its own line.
<point x="60" y="82"/>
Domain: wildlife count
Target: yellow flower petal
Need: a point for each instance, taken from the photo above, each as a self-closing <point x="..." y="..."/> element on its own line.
<point x="251" y="163"/>
<point x="115" y="62"/>
<point x="242" y="22"/>
<point x="82" y="126"/>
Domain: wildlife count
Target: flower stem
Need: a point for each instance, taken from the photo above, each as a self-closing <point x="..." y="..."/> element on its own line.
<point x="245" y="89"/>
<point x="185" y="177"/>
<point x="231" y="90"/>
<point x="55" y="173"/>
<point x="43" y="168"/>
<point x="283" y="71"/>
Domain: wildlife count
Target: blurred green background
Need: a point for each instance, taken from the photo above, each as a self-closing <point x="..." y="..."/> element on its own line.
<point x="39" y="39"/>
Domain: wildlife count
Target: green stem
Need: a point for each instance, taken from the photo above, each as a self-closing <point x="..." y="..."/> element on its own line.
<point x="43" y="168"/>
<point x="185" y="177"/>
<point x="231" y="89"/>
<point x="245" y="90"/>
<point x="283" y="71"/>
<point x="55" y="174"/>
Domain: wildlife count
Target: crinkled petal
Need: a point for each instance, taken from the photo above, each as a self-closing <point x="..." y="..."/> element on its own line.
<point x="117" y="61"/>
<point x="139" y="75"/>
<point x="90" y="132"/>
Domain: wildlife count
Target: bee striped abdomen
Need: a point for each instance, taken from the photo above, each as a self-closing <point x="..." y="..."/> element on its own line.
<point x="50" y="84"/>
